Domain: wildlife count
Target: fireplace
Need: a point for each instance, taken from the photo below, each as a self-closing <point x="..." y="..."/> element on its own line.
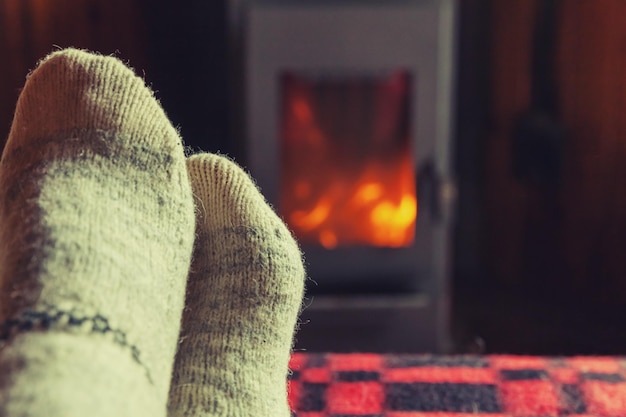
<point x="345" y="118"/>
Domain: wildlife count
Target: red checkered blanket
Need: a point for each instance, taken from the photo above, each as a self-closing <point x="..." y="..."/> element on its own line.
<point x="371" y="385"/>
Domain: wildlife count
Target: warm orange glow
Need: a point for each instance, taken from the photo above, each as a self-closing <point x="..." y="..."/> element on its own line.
<point x="348" y="184"/>
<point x="367" y="193"/>
<point x="328" y="239"/>
<point x="309" y="220"/>
<point x="334" y="212"/>
<point x="392" y="220"/>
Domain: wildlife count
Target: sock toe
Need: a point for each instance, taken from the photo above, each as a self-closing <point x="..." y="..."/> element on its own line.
<point x="74" y="90"/>
<point x="228" y="196"/>
<point x="244" y="293"/>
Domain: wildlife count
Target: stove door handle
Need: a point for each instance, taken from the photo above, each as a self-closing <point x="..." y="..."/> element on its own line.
<point x="435" y="193"/>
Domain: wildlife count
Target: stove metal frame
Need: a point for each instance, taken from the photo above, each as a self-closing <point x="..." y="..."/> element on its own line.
<point x="365" y="36"/>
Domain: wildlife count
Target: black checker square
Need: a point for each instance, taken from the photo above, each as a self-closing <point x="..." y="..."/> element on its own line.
<point x="356" y="415"/>
<point x="313" y="397"/>
<point x="523" y="374"/>
<point x="443" y="397"/>
<point x="597" y="376"/>
<point x="357" y="376"/>
<point x="417" y="361"/>
<point x="573" y="398"/>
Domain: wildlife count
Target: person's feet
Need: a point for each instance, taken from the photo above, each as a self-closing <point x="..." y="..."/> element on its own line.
<point x="96" y="232"/>
<point x="244" y="293"/>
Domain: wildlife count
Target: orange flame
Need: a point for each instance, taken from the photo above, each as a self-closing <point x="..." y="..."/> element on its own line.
<point x="374" y="212"/>
<point x="340" y="188"/>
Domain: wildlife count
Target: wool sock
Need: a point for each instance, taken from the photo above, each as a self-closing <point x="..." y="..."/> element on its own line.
<point x="96" y="236"/>
<point x="243" y="296"/>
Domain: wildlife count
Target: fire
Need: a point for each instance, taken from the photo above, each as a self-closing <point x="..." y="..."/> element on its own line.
<point x="378" y="212"/>
<point x="313" y="218"/>
<point x="342" y="184"/>
<point x="392" y="221"/>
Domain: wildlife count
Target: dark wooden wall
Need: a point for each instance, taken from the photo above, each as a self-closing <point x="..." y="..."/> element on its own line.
<point x="179" y="47"/>
<point x="569" y="238"/>
<point x="473" y="83"/>
<point x="29" y="30"/>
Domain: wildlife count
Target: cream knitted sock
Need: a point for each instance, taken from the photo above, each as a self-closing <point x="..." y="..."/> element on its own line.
<point x="96" y="235"/>
<point x="243" y="296"/>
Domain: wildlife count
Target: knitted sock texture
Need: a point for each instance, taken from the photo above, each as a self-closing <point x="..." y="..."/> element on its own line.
<point x="243" y="296"/>
<point x="96" y="235"/>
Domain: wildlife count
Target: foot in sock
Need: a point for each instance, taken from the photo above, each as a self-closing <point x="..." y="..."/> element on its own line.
<point x="96" y="234"/>
<point x="244" y="293"/>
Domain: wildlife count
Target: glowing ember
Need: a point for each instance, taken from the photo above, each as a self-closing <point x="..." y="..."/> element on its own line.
<point x="347" y="170"/>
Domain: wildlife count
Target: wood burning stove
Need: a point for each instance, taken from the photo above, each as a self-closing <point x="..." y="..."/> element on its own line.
<point x="346" y="124"/>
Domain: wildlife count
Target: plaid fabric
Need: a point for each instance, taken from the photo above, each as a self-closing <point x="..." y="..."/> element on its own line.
<point x="371" y="385"/>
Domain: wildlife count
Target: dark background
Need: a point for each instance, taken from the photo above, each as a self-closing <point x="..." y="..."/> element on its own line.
<point x="539" y="268"/>
<point x="180" y="48"/>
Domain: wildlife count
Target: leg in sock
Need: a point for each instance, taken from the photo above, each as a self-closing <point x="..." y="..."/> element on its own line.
<point x="244" y="293"/>
<point x="96" y="235"/>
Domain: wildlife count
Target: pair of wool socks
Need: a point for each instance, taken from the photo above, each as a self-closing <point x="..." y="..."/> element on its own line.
<point x="97" y="232"/>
